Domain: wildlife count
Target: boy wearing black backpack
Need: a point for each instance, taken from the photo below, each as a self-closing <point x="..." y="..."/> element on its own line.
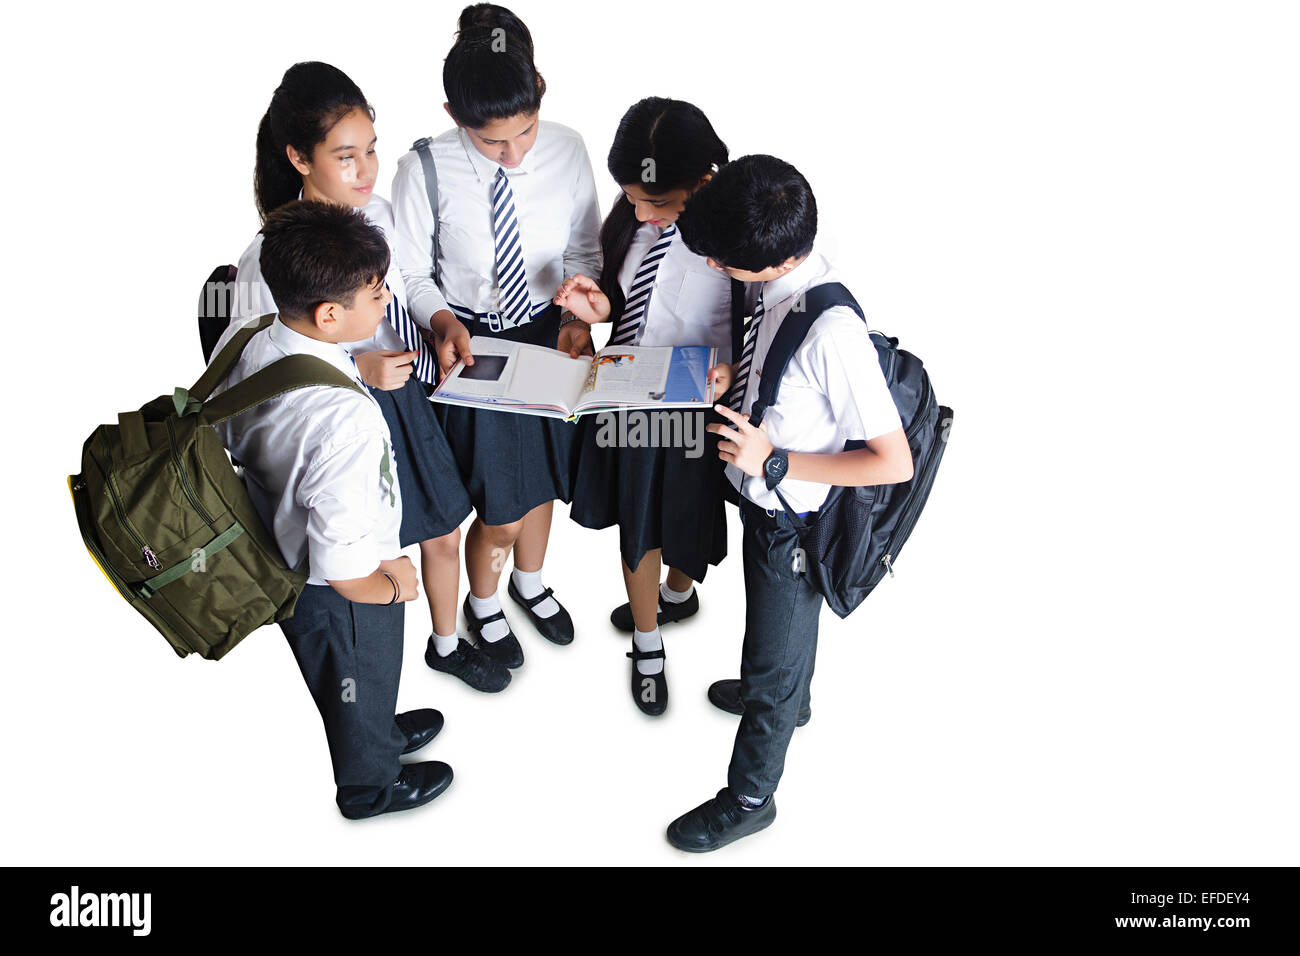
<point x="319" y="468"/>
<point x="756" y="221"/>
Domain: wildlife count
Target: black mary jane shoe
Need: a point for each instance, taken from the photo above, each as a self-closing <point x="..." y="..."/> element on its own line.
<point x="419" y="726"/>
<point x="650" y="691"/>
<point x="669" y="612"/>
<point x="505" y="651"/>
<point x="558" y="628"/>
<point x="717" y="822"/>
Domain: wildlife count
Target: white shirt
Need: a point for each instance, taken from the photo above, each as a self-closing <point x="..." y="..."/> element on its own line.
<point x="315" y="461"/>
<point x="690" y="303"/>
<point x="833" y="389"/>
<point x="555" y="204"/>
<point x="253" y="299"/>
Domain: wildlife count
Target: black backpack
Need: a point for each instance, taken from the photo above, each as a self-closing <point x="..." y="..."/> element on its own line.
<point x="853" y="540"/>
<point x="216" y="303"/>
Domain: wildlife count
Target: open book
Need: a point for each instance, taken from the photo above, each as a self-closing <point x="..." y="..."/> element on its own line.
<point x="534" y="380"/>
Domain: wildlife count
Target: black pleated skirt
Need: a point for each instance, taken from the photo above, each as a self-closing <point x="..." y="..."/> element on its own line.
<point x="660" y="497"/>
<point x="434" y="500"/>
<point x="510" y="463"/>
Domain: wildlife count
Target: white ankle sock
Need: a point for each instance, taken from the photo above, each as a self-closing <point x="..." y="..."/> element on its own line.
<point x="485" y="607"/>
<point x="674" y="597"/>
<point x="648" y="641"/>
<point x="529" y="585"/>
<point x="445" y="645"/>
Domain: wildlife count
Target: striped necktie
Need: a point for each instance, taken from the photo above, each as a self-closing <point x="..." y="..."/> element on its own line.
<point x="638" y="297"/>
<point x="512" y="284"/>
<point x="741" y="379"/>
<point x="404" y="325"/>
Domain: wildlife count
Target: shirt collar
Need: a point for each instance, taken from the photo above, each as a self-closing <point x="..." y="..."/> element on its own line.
<point x="295" y="343"/>
<point x="485" y="169"/>
<point x="793" y="282"/>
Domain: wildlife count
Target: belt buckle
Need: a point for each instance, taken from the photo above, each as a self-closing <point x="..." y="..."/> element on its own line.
<point x="494" y="321"/>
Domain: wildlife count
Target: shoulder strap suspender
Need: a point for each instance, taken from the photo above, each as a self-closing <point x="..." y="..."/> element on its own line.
<point x="421" y="147"/>
<point x="794" y="328"/>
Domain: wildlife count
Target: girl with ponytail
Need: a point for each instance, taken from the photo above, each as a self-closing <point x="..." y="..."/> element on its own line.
<point x="317" y="142"/>
<point x="491" y="217"/>
<point x="666" y="501"/>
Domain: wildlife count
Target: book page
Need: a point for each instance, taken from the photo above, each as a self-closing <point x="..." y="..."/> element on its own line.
<point x="514" y="373"/>
<point x="648" y="376"/>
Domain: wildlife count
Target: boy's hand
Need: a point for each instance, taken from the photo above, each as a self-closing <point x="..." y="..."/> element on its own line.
<point x="744" y="446"/>
<point x="402" y="569"/>
<point x="582" y="296"/>
<point x="385" y="369"/>
<point x="575" y="338"/>
<point x="452" y="345"/>
<point x="720" y="377"/>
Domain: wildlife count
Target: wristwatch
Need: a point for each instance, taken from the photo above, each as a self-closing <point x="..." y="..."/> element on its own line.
<point x="567" y="319"/>
<point x="774" y="469"/>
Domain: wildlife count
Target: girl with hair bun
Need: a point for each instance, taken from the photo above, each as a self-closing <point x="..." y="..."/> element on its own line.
<point x="514" y="215"/>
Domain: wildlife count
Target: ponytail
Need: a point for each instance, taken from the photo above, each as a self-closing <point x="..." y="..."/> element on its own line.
<point x="310" y="100"/>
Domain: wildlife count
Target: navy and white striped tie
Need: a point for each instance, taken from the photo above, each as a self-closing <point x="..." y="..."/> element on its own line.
<point x="740" y="381"/>
<point x="405" y="326"/>
<point x="638" y="297"/>
<point x="512" y="284"/>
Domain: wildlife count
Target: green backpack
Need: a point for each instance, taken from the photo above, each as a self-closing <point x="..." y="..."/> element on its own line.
<point x="168" y="520"/>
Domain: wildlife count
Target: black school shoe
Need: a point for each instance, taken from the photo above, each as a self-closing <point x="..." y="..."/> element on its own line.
<point x="419" y="726"/>
<point x="416" y="785"/>
<point x="657" y="691"/>
<point x="469" y="664"/>
<point x="558" y="628"/>
<point x="725" y="695"/>
<point x="506" y="651"/>
<point x="717" y="822"/>
<point x="621" y="616"/>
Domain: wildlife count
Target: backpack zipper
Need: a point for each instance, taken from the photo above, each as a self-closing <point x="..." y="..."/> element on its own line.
<point x="924" y="474"/>
<point x="146" y="552"/>
<point x="98" y="555"/>
<point x="185" y="481"/>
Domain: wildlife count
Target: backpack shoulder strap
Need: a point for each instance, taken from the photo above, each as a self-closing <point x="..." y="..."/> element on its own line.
<point x="285" y="375"/>
<point x="794" y="328"/>
<point x="421" y="148"/>
<point x="737" y="318"/>
<point x="220" y="367"/>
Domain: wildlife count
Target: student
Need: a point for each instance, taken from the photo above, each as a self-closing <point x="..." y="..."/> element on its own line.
<point x="516" y="214"/>
<point x="317" y="140"/>
<point x="319" y="468"/>
<point x="667" y="502"/>
<point x="756" y="222"/>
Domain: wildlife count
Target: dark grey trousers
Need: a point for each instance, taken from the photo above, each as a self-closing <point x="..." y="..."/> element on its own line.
<point x="350" y="656"/>
<point x="776" y="664"/>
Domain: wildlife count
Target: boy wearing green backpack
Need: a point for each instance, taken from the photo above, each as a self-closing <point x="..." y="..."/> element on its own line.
<point x="319" y="468"/>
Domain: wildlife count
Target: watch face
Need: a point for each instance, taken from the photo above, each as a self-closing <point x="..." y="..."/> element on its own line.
<point x="775" y="466"/>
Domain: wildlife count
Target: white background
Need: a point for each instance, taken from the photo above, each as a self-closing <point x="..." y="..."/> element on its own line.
<point x="1083" y="216"/>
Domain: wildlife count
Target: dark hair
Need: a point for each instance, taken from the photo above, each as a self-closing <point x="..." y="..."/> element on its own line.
<point x="682" y="145"/>
<point x="310" y="100"/>
<point x="755" y="214"/>
<point x="315" y="252"/>
<point x="489" y="73"/>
